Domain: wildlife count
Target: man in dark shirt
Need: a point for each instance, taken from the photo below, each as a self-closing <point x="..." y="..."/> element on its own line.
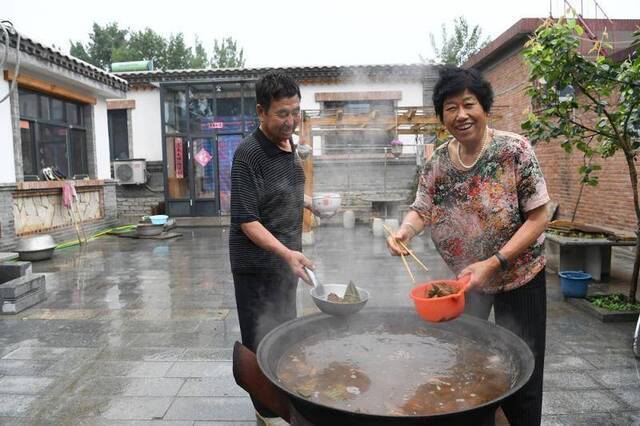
<point x="267" y="200"/>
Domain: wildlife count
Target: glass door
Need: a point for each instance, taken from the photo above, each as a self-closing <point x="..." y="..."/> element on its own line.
<point x="203" y="124"/>
<point x="205" y="176"/>
<point x="227" y="145"/>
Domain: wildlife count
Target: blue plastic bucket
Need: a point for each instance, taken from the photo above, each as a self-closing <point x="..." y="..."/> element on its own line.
<point x="159" y="219"/>
<point x="574" y="283"/>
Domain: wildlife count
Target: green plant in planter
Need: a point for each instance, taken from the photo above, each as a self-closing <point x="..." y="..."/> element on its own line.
<point x="614" y="302"/>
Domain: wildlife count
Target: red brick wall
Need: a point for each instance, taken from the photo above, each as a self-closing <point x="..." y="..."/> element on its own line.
<point x="609" y="204"/>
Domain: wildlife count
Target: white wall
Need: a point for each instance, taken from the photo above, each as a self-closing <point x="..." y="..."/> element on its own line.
<point x="146" y="125"/>
<point x="7" y="165"/>
<point x="101" y="129"/>
<point x="411" y="91"/>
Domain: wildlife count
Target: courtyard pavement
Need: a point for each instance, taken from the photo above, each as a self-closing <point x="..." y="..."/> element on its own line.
<point x="139" y="332"/>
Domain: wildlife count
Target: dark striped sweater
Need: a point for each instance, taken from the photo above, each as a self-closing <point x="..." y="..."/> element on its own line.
<point x="267" y="185"/>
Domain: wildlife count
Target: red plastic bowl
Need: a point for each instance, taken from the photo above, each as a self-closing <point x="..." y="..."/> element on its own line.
<point x="438" y="309"/>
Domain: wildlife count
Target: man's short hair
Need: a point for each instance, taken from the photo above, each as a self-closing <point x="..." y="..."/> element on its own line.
<point x="453" y="81"/>
<point x="273" y="86"/>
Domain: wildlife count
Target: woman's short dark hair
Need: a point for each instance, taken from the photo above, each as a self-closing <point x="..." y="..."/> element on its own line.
<point x="273" y="86"/>
<point x="454" y="81"/>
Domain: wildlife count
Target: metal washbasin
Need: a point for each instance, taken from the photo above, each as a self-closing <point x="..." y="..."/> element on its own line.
<point x="149" y="230"/>
<point x="38" y="247"/>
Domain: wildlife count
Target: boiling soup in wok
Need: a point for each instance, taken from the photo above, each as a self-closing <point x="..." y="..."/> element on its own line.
<point x="383" y="372"/>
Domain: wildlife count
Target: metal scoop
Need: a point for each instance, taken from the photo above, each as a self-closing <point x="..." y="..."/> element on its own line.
<point x="319" y="289"/>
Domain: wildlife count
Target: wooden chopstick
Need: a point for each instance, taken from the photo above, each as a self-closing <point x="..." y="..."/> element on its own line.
<point x="406" y="265"/>
<point x="404" y="246"/>
<point x="413" y="255"/>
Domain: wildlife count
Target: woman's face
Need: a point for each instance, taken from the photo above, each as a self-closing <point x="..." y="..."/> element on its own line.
<point x="464" y="118"/>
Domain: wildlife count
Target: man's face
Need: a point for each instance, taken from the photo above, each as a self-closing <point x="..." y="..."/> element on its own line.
<point x="464" y="117"/>
<point x="282" y="118"/>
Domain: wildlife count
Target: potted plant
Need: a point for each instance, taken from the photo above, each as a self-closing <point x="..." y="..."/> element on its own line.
<point x="396" y="147"/>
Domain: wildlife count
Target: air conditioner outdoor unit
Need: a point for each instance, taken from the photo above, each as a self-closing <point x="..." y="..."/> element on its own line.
<point x="130" y="171"/>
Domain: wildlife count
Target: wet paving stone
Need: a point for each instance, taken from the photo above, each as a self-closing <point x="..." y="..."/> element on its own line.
<point x="199" y="369"/>
<point x="214" y="386"/>
<point x="36" y="353"/>
<point x="227" y="409"/>
<point x="622" y="360"/>
<point x="580" y="401"/>
<point x="164" y="326"/>
<point x="128" y="386"/>
<point x="630" y="395"/>
<point x="594" y="419"/>
<point x="572" y="380"/>
<point x="112" y="408"/>
<point x="18" y="367"/>
<point x="614" y="378"/>
<point x="16" y="405"/>
<point x="24" y="385"/>
<point x="129" y="368"/>
<point x="566" y="363"/>
<point x="141" y="354"/>
<point x="207" y="355"/>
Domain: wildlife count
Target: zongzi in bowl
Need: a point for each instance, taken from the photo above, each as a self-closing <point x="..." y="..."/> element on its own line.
<point x="340" y="299"/>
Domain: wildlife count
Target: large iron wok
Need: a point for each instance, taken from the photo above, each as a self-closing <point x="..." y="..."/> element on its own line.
<point x="485" y="334"/>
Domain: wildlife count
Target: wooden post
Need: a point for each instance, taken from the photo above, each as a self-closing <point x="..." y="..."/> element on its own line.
<point x="307" y="139"/>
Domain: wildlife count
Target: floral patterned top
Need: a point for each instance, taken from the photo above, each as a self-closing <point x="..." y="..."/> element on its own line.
<point x="474" y="213"/>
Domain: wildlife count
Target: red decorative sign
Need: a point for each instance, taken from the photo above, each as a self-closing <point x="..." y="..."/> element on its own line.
<point x="212" y="125"/>
<point x="203" y="157"/>
<point x="179" y="160"/>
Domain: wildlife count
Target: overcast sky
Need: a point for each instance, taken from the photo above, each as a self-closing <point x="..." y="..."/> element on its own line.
<point x="291" y="33"/>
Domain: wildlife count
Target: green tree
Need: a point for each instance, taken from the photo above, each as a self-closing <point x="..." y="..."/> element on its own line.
<point x="178" y="56"/>
<point x="457" y="48"/>
<point x="102" y="43"/>
<point x="200" y="58"/>
<point x="77" y="50"/>
<point x="110" y="44"/>
<point x="227" y="54"/>
<point x="144" y="45"/>
<point x="586" y="102"/>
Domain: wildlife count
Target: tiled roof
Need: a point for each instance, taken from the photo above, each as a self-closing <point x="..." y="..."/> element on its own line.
<point x="412" y="71"/>
<point x="40" y="51"/>
<point x="519" y="32"/>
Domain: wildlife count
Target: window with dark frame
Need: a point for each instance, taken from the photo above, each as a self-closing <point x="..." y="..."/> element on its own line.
<point x="53" y="135"/>
<point x="118" y="134"/>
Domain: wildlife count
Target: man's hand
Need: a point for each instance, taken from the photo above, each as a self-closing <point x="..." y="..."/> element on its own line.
<point x="308" y="204"/>
<point x="297" y="261"/>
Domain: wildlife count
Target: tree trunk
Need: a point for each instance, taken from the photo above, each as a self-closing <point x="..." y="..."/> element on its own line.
<point x="636" y="268"/>
<point x="633" y="174"/>
<point x="575" y="209"/>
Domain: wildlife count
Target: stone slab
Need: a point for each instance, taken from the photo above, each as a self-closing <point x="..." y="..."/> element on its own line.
<point x="196" y="408"/>
<point x="24" y="385"/>
<point x="19" y="286"/>
<point x="575" y="241"/>
<point x="579" y="401"/>
<point x="12" y="270"/>
<point x="603" y="314"/>
<point x="25" y="301"/>
<point x="128" y="386"/>
<point x="15" y="405"/>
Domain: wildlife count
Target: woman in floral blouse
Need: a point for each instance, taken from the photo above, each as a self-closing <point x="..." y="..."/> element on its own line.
<point x="484" y="198"/>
